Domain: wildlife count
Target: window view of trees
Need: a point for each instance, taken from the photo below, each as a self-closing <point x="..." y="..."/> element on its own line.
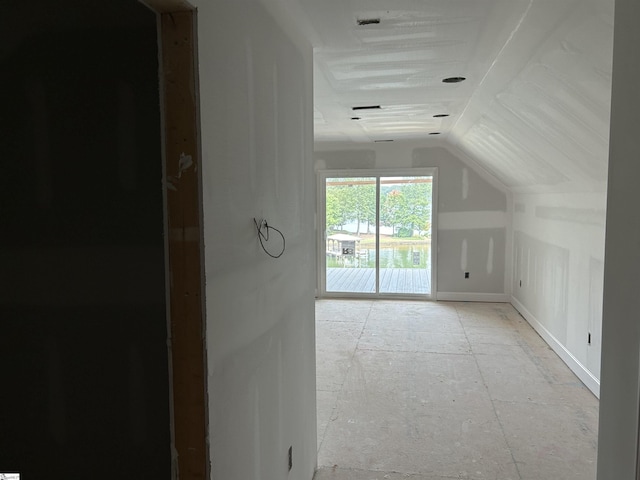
<point x="349" y="201"/>
<point x="405" y="205"/>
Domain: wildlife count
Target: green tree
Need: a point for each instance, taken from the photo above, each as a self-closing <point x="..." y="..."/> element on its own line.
<point x="333" y="214"/>
<point x="418" y="215"/>
<point x="393" y="209"/>
<point x="337" y="213"/>
<point x="350" y="200"/>
<point x="407" y="208"/>
<point x="363" y="204"/>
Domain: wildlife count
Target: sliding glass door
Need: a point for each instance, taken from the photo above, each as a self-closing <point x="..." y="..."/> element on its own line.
<point x="350" y="239"/>
<point x="378" y="236"/>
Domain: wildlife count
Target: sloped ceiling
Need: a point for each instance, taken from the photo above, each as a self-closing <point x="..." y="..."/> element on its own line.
<point x="533" y="110"/>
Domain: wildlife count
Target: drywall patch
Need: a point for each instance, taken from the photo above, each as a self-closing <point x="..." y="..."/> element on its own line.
<point x="490" y="256"/>
<point x="356" y="159"/>
<point x="463" y="255"/>
<point x="587" y="216"/>
<point x="465" y="183"/>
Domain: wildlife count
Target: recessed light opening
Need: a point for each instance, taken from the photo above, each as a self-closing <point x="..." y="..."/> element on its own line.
<point x="368" y="21"/>
<point x="454" y="79"/>
<point x="382" y="141"/>
<point x="366" y="107"/>
<point x="441" y="115"/>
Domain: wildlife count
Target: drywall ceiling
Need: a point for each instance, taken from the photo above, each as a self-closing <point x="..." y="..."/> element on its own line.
<point x="533" y="110"/>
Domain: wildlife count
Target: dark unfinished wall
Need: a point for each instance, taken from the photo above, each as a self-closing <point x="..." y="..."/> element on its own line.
<point x="84" y="389"/>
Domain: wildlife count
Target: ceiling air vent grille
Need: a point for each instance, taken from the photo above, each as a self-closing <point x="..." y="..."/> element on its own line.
<point x="368" y="21"/>
<point x="367" y="107"/>
<point x="454" y="79"/>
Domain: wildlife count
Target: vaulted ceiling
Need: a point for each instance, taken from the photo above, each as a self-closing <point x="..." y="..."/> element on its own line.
<point x="533" y="108"/>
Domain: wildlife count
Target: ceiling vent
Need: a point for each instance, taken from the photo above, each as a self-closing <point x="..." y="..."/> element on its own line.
<point x="367" y="107"/>
<point x="368" y="21"/>
<point x="454" y="79"/>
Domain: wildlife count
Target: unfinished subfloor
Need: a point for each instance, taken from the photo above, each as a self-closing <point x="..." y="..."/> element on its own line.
<point x="434" y="390"/>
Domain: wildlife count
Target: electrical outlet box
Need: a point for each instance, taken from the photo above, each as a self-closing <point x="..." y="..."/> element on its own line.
<point x="290" y="458"/>
<point x="466" y="274"/>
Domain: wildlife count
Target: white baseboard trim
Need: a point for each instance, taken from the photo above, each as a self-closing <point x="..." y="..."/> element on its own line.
<point x="473" y="297"/>
<point x="590" y="381"/>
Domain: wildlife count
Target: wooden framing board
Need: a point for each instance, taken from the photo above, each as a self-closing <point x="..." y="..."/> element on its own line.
<point x="167" y="6"/>
<point x="178" y="79"/>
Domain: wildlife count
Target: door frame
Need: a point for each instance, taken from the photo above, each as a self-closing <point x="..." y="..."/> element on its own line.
<point x="182" y="191"/>
<point x="321" y="178"/>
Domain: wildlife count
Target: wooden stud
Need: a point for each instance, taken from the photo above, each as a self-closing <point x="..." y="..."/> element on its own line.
<point x="182" y="183"/>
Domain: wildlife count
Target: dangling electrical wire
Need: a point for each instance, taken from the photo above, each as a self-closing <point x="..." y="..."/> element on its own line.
<point x="263" y="229"/>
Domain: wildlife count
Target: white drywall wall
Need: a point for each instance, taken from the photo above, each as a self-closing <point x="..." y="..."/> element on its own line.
<point x="472" y="212"/>
<point x="538" y="120"/>
<point x="257" y="135"/>
<point x="618" y="432"/>
<point x="558" y="261"/>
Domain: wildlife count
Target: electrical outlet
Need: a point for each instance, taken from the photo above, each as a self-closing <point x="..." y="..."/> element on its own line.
<point x="290" y="457"/>
<point x="466" y="274"/>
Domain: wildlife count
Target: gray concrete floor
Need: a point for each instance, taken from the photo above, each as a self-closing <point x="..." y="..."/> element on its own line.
<point x="441" y="390"/>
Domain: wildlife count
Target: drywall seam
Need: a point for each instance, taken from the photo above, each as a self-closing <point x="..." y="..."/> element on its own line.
<point x="472" y="297"/>
<point x="494" y="61"/>
<point x="585" y="376"/>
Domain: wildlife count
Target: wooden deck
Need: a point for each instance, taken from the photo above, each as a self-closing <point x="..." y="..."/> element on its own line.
<point x="392" y="280"/>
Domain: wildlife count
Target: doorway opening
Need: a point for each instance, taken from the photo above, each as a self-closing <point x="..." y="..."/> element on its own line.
<point x="378" y="233"/>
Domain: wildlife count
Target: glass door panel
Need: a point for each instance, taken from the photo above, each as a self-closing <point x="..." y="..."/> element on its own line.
<point x="405" y="235"/>
<point x="350" y="235"/>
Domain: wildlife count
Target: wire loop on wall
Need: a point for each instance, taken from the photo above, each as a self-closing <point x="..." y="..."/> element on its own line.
<point x="263" y="229"/>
